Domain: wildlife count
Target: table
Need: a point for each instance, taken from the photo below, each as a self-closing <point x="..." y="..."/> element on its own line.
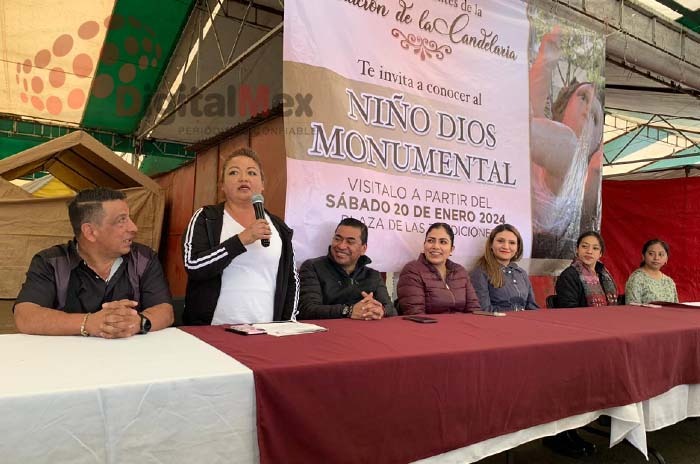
<point x="630" y="422"/>
<point x="161" y="397"/>
<point x="396" y="391"/>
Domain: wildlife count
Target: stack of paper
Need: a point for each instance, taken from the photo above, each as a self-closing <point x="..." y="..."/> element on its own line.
<point x="281" y="329"/>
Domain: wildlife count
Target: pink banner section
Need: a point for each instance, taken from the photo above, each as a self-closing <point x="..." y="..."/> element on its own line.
<point x="492" y="99"/>
<point x="419" y="114"/>
<point x="397" y="210"/>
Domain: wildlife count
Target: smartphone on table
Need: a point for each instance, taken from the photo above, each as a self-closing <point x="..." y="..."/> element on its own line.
<point x="421" y="319"/>
<point x="245" y="329"/>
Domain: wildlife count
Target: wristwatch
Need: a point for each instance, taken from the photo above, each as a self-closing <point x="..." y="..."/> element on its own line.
<point x="347" y="311"/>
<point x="145" y="324"/>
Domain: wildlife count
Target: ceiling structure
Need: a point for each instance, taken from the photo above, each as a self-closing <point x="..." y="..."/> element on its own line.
<point x="91" y="64"/>
<point x="155" y="78"/>
<point x="226" y="70"/>
<point x="652" y="126"/>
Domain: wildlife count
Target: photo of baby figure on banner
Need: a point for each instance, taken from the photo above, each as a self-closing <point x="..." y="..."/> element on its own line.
<point x="566" y="133"/>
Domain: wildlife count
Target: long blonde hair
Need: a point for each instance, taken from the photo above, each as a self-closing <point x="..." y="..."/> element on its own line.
<point x="488" y="261"/>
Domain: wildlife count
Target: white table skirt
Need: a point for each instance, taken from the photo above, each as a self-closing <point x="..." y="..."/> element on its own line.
<point x="630" y="422"/>
<point x="166" y="397"/>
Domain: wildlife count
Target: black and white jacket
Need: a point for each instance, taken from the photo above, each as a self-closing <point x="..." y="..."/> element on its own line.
<point x="205" y="259"/>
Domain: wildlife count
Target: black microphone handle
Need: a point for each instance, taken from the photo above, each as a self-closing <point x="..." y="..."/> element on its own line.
<point x="260" y="214"/>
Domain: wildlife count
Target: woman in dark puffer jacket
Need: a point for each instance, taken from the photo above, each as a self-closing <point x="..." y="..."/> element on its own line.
<point x="433" y="284"/>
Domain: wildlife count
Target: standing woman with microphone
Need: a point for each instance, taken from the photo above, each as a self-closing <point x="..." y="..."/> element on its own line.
<point x="239" y="257"/>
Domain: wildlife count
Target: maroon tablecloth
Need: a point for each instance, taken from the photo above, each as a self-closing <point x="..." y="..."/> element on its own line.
<point x="396" y="391"/>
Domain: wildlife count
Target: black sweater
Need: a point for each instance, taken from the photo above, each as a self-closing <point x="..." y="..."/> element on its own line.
<point x="569" y="288"/>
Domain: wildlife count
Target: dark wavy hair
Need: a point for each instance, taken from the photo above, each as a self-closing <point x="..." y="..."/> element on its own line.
<point x="592" y="233"/>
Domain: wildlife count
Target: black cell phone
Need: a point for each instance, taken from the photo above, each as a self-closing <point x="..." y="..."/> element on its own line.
<point x="421" y="319"/>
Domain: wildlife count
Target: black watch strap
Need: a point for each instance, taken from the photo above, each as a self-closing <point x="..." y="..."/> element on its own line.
<point x="145" y="324"/>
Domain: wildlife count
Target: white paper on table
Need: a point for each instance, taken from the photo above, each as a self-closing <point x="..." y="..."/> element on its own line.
<point x="282" y="329"/>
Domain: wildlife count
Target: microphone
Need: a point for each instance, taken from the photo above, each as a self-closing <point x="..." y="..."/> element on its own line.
<point x="258" y="201"/>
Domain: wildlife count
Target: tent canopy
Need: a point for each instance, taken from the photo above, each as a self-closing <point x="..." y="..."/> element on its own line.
<point x="651" y="131"/>
<point x="85" y="64"/>
<point x="650" y="146"/>
<point x="153" y="78"/>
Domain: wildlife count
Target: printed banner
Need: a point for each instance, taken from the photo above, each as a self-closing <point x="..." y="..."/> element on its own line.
<point x="566" y="129"/>
<point x="402" y="114"/>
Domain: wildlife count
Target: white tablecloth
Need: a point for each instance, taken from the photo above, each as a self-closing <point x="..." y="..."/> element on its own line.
<point x="630" y="422"/>
<point x="165" y="397"/>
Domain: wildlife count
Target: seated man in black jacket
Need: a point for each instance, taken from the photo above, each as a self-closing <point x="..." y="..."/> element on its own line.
<point x="340" y="284"/>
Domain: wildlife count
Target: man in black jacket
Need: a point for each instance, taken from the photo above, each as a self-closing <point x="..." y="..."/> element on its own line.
<point x="340" y="284"/>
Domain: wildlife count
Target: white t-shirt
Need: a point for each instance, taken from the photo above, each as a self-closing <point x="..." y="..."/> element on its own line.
<point x="248" y="283"/>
